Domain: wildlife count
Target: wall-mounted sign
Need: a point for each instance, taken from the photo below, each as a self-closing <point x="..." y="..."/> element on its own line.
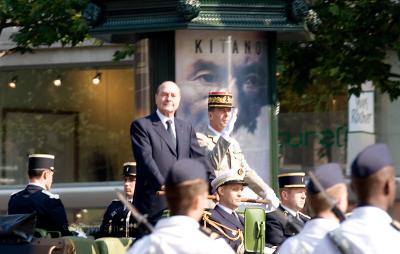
<point x="361" y="113"/>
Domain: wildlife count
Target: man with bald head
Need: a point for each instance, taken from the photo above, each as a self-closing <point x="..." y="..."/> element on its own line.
<point x="369" y="229"/>
<point x="158" y="141"/>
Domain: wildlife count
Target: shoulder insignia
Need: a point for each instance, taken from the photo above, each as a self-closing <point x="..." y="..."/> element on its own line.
<point x="208" y="232"/>
<point x="396" y="225"/>
<point x="51" y="195"/>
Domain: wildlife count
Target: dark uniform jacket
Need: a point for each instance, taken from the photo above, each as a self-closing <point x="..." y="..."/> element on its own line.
<point x="155" y="153"/>
<point x="231" y="225"/>
<point x="49" y="209"/>
<point x="117" y="222"/>
<point x="277" y="229"/>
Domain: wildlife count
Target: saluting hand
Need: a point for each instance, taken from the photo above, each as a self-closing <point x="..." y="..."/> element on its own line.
<point x="231" y="124"/>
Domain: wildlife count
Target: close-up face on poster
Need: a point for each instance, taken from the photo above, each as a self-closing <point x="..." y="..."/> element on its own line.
<point x="234" y="61"/>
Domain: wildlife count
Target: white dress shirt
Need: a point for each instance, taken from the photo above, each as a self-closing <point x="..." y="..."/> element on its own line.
<point x="226" y="209"/>
<point x="164" y="120"/>
<point x="305" y="242"/>
<point x="368" y="230"/>
<point x="179" y="235"/>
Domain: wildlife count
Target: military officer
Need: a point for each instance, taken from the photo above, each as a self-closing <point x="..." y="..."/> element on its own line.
<point x="117" y="220"/>
<point x="293" y="196"/>
<point x="369" y="229"/>
<point x="223" y="219"/>
<point x="36" y="196"/>
<point x="330" y="176"/>
<point x="224" y="151"/>
<point x="186" y="189"/>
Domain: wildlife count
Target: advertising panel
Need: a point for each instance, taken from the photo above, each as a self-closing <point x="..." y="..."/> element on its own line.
<point x="235" y="61"/>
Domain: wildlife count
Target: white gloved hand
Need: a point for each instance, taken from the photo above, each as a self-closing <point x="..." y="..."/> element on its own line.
<point x="231" y="123"/>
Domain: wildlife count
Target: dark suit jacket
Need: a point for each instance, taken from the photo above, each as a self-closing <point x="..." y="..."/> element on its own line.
<point x="277" y="229"/>
<point x="230" y="221"/>
<point x="114" y="222"/>
<point x="155" y="154"/>
<point x="50" y="212"/>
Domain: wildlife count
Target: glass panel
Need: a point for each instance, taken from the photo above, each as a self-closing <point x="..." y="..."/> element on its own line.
<point x="86" y="126"/>
<point x="310" y="139"/>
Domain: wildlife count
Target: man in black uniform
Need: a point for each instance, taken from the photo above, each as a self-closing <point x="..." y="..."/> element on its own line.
<point x="36" y="197"/>
<point x="293" y="196"/>
<point x="117" y="220"/>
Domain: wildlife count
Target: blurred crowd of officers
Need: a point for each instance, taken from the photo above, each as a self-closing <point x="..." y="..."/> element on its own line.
<point x="189" y="166"/>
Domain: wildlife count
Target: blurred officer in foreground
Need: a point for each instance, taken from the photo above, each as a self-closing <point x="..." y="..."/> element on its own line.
<point x="293" y="197"/>
<point x="369" y="229"/>
<point x="36" y="197"/>
<point x="223" y="219"/>
<point x="117" y="220"/>
<point x="324" y="220"/>
<point x="224" y="151"/>
<point x="186" y="190"/>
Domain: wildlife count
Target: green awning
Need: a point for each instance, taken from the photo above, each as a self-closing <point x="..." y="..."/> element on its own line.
<point x="126" y="17"/>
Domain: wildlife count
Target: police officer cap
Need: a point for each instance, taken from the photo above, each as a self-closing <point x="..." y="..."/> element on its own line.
<point x="185" y="170"/>
<point x="41" y="161"/>
<point x="230" y="176"/>
<point x="370" y="160"/>
<point x="291" y="180"/>
<point x="328" y="175"/>
<point x="129" y="169"/>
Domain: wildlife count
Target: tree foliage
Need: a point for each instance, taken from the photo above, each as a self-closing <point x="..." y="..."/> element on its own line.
<point x="349" y="48"/>
<point x="44" y="22"/>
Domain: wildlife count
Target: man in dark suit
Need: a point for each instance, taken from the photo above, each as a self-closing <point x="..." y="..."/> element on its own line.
<point x="223" y="219"/>
<point x="117" y="220"/>
<point x="37" y="198"/>
<point x="293" y="196"/>
<point x="159" y="140"/>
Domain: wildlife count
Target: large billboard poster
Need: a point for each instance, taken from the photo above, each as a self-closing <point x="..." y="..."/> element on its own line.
<point x="237" y="61"/>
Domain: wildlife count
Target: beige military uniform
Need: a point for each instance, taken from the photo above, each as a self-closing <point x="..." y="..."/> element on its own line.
<point x="225" y="154"/>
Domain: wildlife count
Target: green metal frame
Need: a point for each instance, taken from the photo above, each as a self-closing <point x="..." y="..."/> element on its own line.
<point x="124" y="17"/>
<point x="273" y="102"/>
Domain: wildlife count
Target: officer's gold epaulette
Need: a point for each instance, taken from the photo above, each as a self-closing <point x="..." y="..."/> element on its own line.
<point x="208" y="232"/>
<point x="395" y="224"/>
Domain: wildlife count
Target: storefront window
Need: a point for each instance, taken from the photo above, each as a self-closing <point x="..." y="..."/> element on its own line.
<point x="313" y="129"/>
<point x="82" y="116"/>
